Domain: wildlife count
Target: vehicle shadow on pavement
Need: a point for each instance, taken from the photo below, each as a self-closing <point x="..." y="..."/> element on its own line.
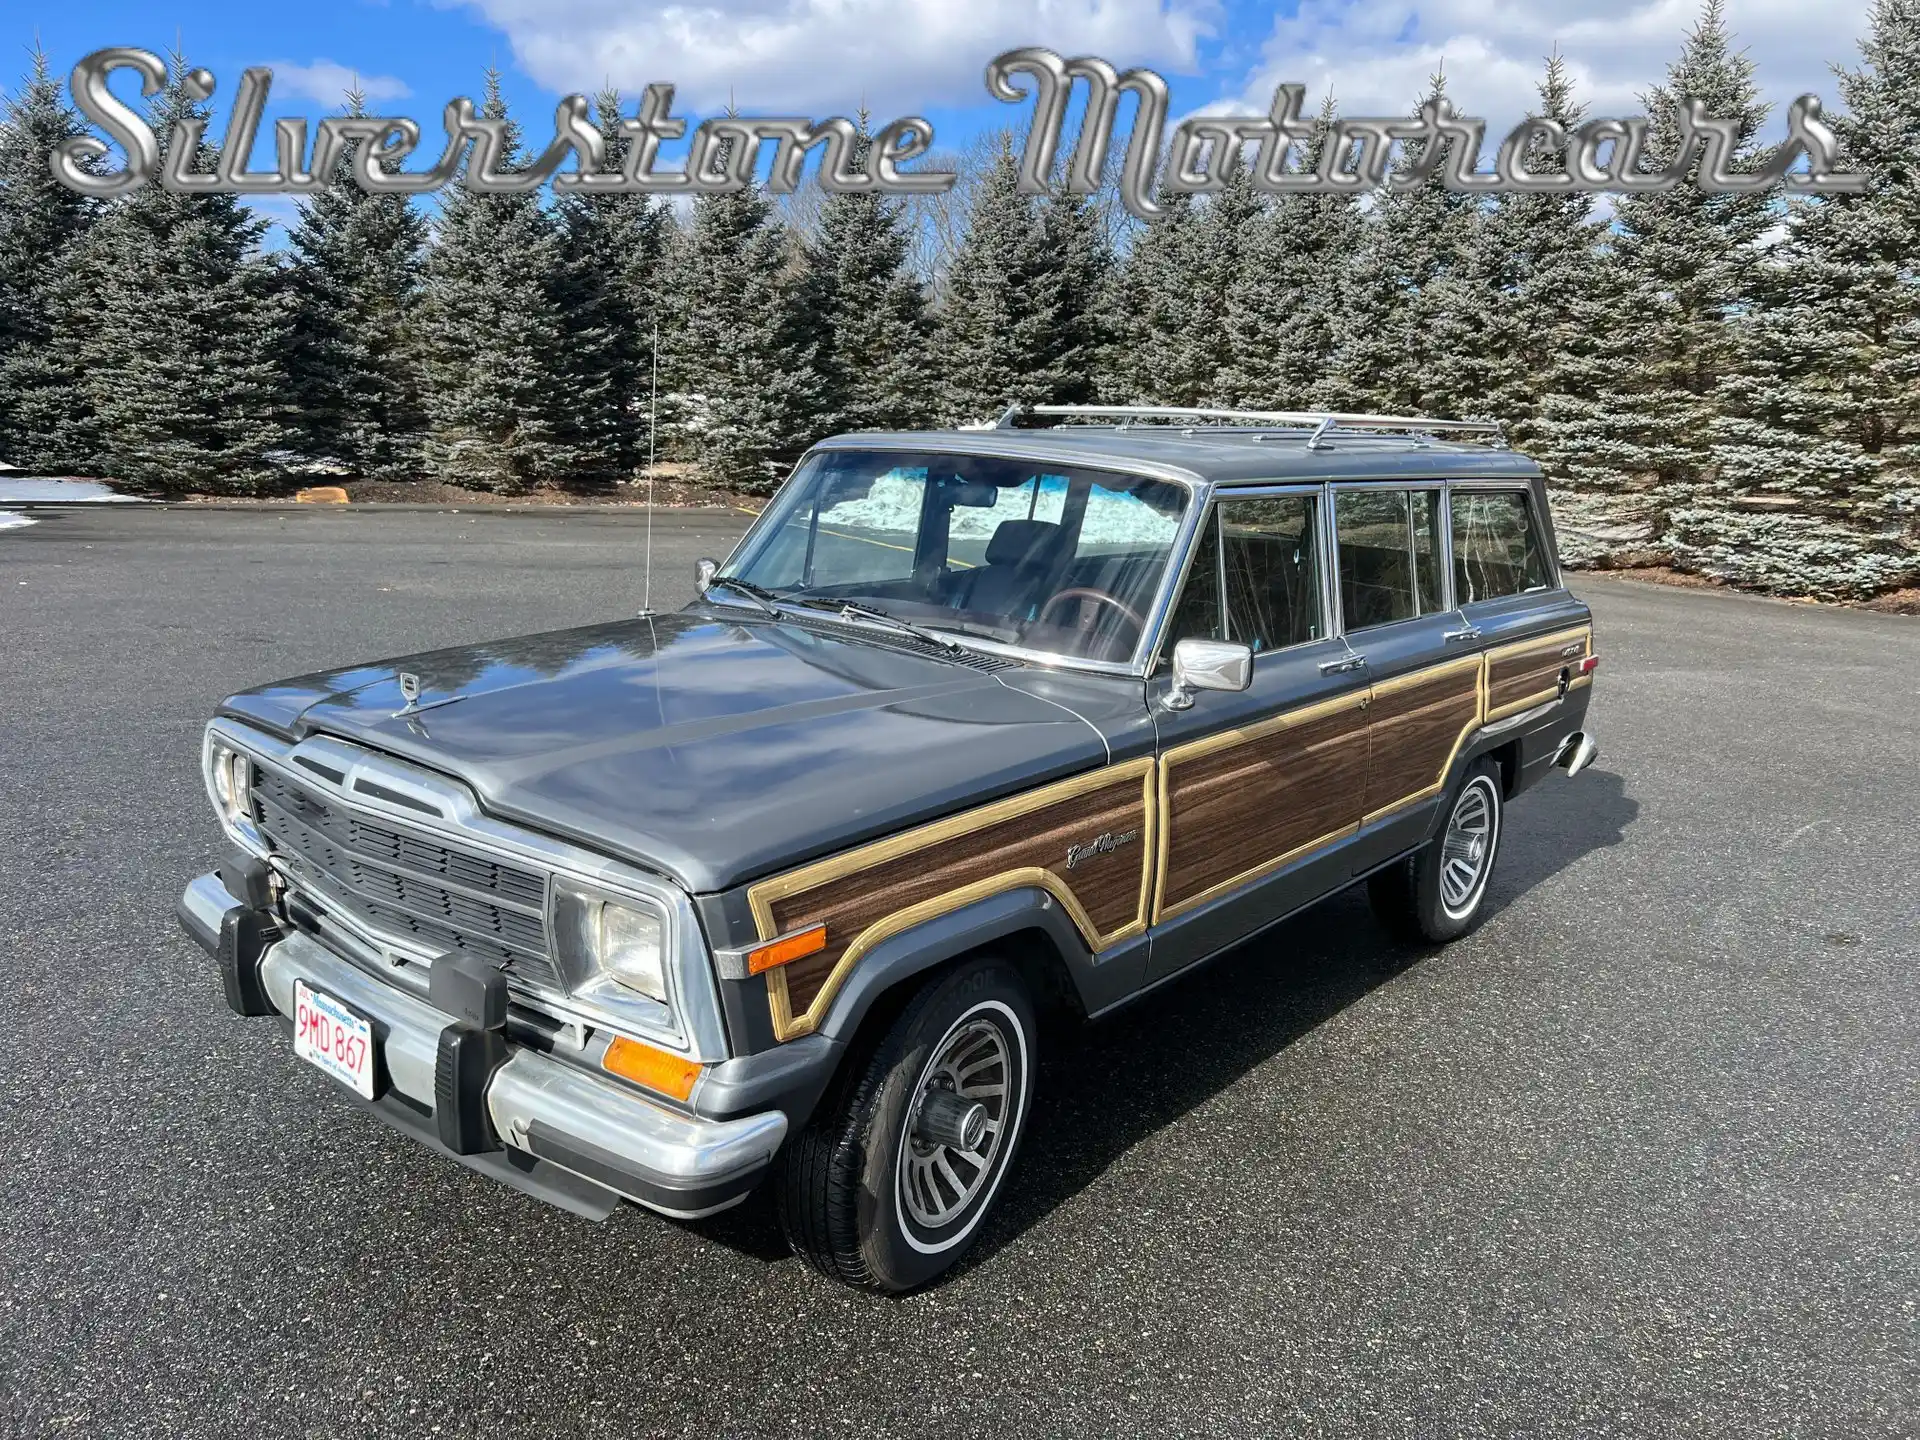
<point x="1105" y="1088"/>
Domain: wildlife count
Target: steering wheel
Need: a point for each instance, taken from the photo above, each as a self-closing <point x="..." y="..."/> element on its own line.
<point x="1100" y="597"/>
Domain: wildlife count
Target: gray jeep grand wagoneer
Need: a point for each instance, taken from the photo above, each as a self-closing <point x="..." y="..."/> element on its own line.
<point x="973" y="726"/>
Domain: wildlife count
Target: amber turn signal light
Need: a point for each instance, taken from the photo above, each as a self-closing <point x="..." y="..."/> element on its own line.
<point x="787" y="949"/>
<point x="656" y="1069"/>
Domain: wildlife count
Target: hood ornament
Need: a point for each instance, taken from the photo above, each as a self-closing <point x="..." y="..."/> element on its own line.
<point x="410" y="692"/>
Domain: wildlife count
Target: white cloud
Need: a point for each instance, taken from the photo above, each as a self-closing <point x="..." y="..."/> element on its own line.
<point x="1377" y="55"/>
<point x="828" y="56"/>
<point x="327" y="83"/>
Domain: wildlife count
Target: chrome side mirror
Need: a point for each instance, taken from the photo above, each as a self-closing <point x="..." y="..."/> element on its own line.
<point x="1208" y="665"/>
<point x="704" y="569"/>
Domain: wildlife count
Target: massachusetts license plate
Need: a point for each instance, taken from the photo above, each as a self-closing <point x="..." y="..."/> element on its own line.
<point x="329" y="1035"/>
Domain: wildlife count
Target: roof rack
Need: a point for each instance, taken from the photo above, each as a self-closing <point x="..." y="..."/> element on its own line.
<point x="1321" y="424"/>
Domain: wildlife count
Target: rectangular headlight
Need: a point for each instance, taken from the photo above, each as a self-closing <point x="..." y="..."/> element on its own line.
<point x="605" y="941"/>
<point x="230" y="777"/>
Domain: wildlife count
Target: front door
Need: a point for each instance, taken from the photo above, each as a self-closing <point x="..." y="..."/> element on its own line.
<point x="1259" y="789"/>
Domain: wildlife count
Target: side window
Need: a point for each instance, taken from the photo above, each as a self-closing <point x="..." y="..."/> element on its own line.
<point x="1496" y="546"/>
<point x="1255" y="575"/>
<point x="1389" y="555"/>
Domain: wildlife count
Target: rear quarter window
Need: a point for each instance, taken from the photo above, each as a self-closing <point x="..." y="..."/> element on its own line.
<point x="1497" y="546"/>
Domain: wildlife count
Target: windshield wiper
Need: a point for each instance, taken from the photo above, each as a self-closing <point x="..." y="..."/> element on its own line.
<point x="759" y="594"/>
<point x="852" y="610"/>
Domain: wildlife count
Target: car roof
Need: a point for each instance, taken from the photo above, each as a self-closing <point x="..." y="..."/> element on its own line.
<point x="1217" y="454"/>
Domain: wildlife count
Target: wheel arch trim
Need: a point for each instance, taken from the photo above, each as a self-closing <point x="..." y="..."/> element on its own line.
<point x="961" y="923"/>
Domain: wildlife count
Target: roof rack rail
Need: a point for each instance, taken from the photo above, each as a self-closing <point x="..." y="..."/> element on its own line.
<point x="1321" y="424"/>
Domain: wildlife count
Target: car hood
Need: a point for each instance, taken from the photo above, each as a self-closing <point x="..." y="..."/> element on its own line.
<point x="710" y="750"/>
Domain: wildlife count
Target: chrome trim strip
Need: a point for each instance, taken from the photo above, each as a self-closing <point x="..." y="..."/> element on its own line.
<point x="700" y="1032"/>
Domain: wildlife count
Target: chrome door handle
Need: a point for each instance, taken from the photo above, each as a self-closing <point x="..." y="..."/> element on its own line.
<point x="1458" y="637"/>
<point x="1337" y="667"/>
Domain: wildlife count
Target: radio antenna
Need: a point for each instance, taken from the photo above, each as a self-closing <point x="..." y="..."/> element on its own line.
<point x="653" y="440"/>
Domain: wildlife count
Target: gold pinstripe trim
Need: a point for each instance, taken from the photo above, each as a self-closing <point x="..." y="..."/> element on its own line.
<point x="761" y="896"/>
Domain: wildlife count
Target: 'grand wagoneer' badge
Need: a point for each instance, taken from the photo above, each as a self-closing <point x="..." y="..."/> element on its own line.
<point x="1105" y="844"/>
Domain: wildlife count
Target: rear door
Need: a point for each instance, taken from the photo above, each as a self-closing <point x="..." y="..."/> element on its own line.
<point x="1260" y="790"/>
<point x="1507" y="590"/>
<point x="1423" y="671"/>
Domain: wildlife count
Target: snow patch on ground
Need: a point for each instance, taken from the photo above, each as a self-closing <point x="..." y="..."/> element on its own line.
<point x="11" y="521"/>
<point x="17" y="489"/>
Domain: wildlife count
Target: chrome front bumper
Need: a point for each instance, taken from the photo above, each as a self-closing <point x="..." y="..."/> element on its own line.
<point x="605" y="1141"/>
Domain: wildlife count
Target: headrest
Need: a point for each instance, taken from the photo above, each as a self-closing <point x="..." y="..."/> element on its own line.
<point x="1021" y="542"/>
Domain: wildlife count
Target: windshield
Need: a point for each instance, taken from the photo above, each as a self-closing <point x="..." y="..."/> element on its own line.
<point x="1044" y="557"/>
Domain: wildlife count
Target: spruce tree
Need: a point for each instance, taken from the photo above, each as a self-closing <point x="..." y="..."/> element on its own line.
<point x="615" y="248"/>
<point x="1283" y="301"/>
<point x="353" y="362"/>
<point x="178" y="327"/>
<point x="1072" y="269"/>
<point x="1175" y="340"/>
<point x="748" y="397"/>
<point x="1817" y="448"/>
<point x="1154" y="305"/>
<point x="1396" y="352"/>
<point x="991" y="336"/>
<point x="1530" y="304"/>
<point x="505" y="398"/>
<point x="869" y="315"/>
<point x="41" y="225"/>
<point x="1684" y="265"/>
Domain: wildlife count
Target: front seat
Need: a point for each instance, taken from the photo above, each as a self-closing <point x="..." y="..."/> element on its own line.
<point x="1019" y="556"/>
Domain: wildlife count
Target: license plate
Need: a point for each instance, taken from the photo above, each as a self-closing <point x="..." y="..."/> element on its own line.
<point x="328" y="1034"/>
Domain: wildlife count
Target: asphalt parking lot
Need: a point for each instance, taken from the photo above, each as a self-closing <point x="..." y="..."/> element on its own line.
<point x="1639" y="1157"/>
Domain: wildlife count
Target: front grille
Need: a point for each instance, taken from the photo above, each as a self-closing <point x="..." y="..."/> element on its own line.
<point x="409" y="887"/>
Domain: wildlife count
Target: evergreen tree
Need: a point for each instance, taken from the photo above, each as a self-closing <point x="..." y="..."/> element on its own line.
<point x="505" y="398"/>
<point x="1175" y="340"/>
<point x="615" y="248"/>
<point x="1283" y="301"/>
<point x="1072" y="270"/>
<point x="1683" y="265"/>
<point x="1393" y="331"/>
<point x="41" y="224"/>
<point x="749" y="397"/>
<point x="355" y="282"/>
<point x="992" y="328"/>
<point x="1531" y="302"/>
<point x="869" y="315"/>
<point x="1818" y="445"/>
<point x="178" y="328"/>
<point x="1153" y="360"/>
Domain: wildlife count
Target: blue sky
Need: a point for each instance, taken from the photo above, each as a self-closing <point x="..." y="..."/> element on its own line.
<point x="819" y="57"/>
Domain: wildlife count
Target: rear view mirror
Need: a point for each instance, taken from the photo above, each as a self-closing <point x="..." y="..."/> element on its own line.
<point x="1208" y="665"/>
<point x="972" y="494"/>
<point x="704" y="569"/>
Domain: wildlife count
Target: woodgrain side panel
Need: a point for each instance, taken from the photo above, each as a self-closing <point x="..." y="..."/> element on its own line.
<point x="1237" y="805"/>
<point x="878" y="890"/>
<point x="1527" y="673"/>
<point x="1417" y="724"/>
